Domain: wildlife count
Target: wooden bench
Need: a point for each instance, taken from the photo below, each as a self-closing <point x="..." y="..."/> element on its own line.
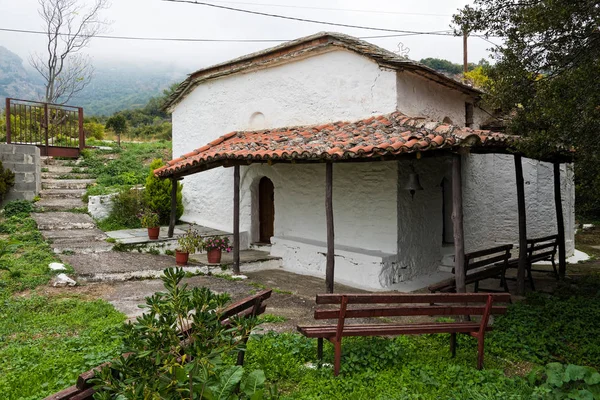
<point x="480" y="265"/>
<point x="539" y="249"/>
<point x="248" y="307"/>
<point x="399" y="305"/>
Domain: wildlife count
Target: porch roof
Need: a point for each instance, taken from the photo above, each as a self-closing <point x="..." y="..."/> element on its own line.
<point x="375" y="138"/>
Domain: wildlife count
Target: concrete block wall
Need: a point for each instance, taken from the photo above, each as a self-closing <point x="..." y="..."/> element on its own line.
<point x="25" y="162"/>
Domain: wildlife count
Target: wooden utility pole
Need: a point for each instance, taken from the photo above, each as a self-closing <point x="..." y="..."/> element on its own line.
<point x="465" y="56"/>
<point x="236" y="219"/>
<point x="522" y="226"/>
<point x="457" y="220"/>
<point x="173" y="207"/>
<point x="329" y="271"/>
<point x="560" y="223"/>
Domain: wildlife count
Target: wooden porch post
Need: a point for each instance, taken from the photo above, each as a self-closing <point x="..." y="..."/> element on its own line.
<point x="236" y="219"/>
<point x="560" y="223"/>
<point x="329" y="272"/>
<point x="457" y="219"/>
<point x="522" y="226"/>
<point x="173" y="206"/>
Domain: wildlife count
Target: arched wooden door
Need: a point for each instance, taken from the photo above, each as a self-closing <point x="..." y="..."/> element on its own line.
<point x="266" y="209"/>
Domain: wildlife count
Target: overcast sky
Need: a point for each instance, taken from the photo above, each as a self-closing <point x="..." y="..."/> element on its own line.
<point x="156" y="18"/>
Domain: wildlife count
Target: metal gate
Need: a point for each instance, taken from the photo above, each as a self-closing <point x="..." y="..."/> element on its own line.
<point x="56" y="129"/>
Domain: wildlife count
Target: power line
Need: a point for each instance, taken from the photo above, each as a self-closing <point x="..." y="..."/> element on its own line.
<point x="332" y="9"/>
<point x="312" y="21"/>
<point x="201" y="40"/>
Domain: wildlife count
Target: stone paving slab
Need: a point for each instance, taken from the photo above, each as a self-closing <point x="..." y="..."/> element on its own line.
<point x="56" y="204"/>
<point x="66" y="183"/>
<point x="62" y="193"/>
<point x="112" y="262"/>
<point x="75" y="235"/>
<point x="63" y="221"/>
<point x="140" y="236"/>
<point x="246" y="256"/>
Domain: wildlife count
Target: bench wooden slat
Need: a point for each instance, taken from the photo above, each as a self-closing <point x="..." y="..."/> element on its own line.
<point x="65" y="394"/>
<point x="87" y="394"/>
<point x="245" y="314"/>
<point x="487" y="252"/>
<point x="245" y="303"/>
<point x="543" y="239"/>
<point x="410" y="298"/>
<point x="384" y="330"/>
<point x="450" y="283"/>
<point x="488" y="261"/>
<point x="407" y="311"/>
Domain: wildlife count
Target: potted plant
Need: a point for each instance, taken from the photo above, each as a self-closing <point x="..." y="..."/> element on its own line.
<point x="150" y="220"/>
<point x="188" y="243"/>
<point x="214" y="245"/>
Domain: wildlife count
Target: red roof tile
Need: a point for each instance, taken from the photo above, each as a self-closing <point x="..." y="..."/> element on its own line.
<point x="383" y="135"/>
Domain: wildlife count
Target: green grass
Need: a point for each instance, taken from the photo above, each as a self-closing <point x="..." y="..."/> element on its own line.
<point x="563" y="327"/>
<point x="127" y="168"/>
<point x="45" y="343"/>
<point x="28" y="258"/>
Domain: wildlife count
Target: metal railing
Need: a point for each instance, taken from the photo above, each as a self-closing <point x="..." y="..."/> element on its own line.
<point x="56" y="129"/>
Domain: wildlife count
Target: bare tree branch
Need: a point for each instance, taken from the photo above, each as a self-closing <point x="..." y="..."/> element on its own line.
<point x="69" y="26"/>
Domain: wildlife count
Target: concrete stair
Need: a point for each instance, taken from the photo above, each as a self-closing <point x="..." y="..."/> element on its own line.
<point x="447" y="263"/>
<point x="62" y="193"/>
<point x="81" y="184"/>
<point x="68" y="232"/>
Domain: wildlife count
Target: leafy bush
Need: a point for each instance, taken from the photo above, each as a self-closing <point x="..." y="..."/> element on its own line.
<point x="158" y="194"/>
<point x="18" y="207"/>
<point x="163" y="363"/>
<point x="125" y="210"/>
<point x="94" y="130"/>
<point x="567" y="382"/>
<point x="7" y="180"/>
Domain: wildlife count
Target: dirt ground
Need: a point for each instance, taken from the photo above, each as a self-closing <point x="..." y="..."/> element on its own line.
<point x="293" y="295"/>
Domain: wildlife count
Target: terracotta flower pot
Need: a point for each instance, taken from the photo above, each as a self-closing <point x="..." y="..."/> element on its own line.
<point x="181" y="258"/>
<point x="214" y="256"/>
<point x="153" y="233"/>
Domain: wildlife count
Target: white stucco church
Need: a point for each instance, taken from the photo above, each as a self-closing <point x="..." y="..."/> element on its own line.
<point x="283" y="114"/>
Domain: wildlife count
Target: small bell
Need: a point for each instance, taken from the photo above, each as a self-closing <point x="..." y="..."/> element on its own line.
<point x="413" y="184"/>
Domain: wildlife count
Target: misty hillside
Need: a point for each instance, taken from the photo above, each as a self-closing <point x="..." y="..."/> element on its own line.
<point x="114" y="88"/>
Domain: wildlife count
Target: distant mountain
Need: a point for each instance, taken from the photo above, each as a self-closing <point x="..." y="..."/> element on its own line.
<point x="15" y="80"/>
<point x="113" y="88"/>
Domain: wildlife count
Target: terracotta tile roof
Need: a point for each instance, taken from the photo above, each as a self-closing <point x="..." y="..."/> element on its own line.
<point x="384" y="135"/>
<point x="300" y="47"/>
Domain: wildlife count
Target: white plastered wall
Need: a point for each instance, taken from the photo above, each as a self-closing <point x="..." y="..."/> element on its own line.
<point x="420" y="97"/>
<point x="419" y="220"/>
<point x="336" y="85"/>
<point x="490" y="201"/>
<point x="364" y="207"/>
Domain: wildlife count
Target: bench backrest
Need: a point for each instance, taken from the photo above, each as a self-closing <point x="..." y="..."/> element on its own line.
<point x="400" y="304"/>
<point x="248" y="307"/>
<point x="487" y="257"/>
<point x="543" y="248"/>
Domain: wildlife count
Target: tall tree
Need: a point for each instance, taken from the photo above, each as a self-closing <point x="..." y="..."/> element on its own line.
<point x="547" y="76"/>
<point x="69" y="27"/>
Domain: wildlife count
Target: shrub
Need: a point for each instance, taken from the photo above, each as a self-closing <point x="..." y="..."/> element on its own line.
<point x="158" y="194"/>
<point x="18" y="207"/>
<point x="124" y="214"/>
<point x="7" y="180"/>
<point x="162" y="365"/>
<point x="94" y="130"/>
<point x="567" y="382"/>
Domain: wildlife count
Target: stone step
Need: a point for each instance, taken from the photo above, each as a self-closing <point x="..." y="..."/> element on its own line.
<point x="47" y="161"/>
<point x="62" y="193"/>
<point x="56" y="169"/>
<point x="75" y="236"/>
<point x="52" y="176"/>
<point x="81" y="247"/>
<point x="63" y="221"/>
<point x="59" y="204"/>
<point x="66" y="183"/>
